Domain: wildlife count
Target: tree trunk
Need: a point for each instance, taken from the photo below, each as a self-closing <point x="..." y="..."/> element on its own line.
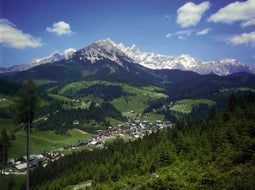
<point x="28" y="153"/>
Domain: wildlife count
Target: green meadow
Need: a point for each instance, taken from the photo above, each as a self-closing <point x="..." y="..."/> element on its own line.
<point x="138" y="101"/>
<point x="59" y="97"/>
<point x="6" y="101"/>
<point x="40" y="140"/>
<point x="185" y="105"/>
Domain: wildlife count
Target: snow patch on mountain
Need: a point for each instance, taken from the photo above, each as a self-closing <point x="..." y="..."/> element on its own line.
<point x="55" y="56"/>
<point x="185" y="62"/>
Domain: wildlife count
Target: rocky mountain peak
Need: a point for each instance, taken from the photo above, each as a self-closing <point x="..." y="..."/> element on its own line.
<point x="108" y="49"/>
<point x="102" y="49"/>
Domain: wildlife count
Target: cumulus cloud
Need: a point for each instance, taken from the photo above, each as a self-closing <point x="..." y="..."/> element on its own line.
<point x="245" y="38"/>
<point x="60" y="28"/>
<point x="69" y="52"/>
<point x="237" y="11"/>
<point x="204" y="31"/>
<point x="190" y="14"/>
<point x="13" y="37"/>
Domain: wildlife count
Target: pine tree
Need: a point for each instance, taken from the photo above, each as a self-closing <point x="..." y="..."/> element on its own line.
<point x="4" y="146"/>
<point x="212" y="112"/>
<point x="232" y="101"/>
<point x="26" y="105"/>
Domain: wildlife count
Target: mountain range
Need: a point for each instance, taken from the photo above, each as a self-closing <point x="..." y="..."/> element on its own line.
<point x="111" y="50"/>
<point x="113" y="63"/>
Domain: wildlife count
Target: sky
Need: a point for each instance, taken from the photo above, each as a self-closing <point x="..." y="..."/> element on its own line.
<point x="206" y="30"/>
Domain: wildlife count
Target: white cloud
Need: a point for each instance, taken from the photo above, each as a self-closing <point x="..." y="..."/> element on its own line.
<point x="245" y="38"/>
<point x="168" y="35"/>
<point x="182" y="34"/>
<point x="203" y="32"/>
<point x="248" y="23"/>
<point x="7" y="22"/>
<point x="181" y="37"/>
<point x="13" y="37"/>
<point x="190" y="14"/>
<point x="60" y="28"/>
<point x="237" y="11"/>
<point x="69" y="52"/>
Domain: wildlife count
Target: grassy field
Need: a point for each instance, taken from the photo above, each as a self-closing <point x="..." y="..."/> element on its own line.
<point x="6" y="101"/>
<point x="13" y="181"/>
<point x="138" y="101"/>
<point x="135" y="103"/>
<point x="185" y="105"/>
<point x="7" y="124"/>
<point x="43" y="82"/>
<point x="45" y="141"/>
<point x="154" y="117"/>
<point x="59" y="97"/>
<point x="40" y="140"/>
<point x="76" y="86"/>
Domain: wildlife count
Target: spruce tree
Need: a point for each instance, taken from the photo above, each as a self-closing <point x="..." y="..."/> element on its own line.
<point x="4" y="146"/>
<point x="26" y="105"/>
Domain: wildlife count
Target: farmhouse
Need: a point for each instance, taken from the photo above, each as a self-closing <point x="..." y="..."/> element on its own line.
<point x="92" y="143"/>
<point x="76" y="122"/>
<point x="21" y="167"/>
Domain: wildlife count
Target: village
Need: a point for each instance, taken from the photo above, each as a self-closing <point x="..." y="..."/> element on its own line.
<point x="132" y="129"/>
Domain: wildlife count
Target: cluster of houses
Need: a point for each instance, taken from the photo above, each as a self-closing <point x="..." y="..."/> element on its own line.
<point x="36" y="159"/>
<point x="133" y="129"/>
<point x="2" y="99"/>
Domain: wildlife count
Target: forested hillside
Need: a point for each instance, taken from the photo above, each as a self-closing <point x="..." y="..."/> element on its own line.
<point x="213" y="153"/>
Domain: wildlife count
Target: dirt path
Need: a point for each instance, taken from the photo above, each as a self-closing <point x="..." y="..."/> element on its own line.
<point x="82" y="185"/>
<point x="80" y="131"/>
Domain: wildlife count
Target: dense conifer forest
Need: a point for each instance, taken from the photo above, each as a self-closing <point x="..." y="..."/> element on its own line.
<point x="213" y="153"/>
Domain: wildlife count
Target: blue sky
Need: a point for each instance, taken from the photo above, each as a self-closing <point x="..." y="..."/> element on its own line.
<point x="206" y="30"/>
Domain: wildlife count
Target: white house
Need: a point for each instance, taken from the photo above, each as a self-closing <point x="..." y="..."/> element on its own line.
<point x="21" y="167"/>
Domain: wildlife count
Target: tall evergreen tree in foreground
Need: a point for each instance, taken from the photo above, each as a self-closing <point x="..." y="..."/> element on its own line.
<point x="4" y="148"/>
<point x="26" y="105"/>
